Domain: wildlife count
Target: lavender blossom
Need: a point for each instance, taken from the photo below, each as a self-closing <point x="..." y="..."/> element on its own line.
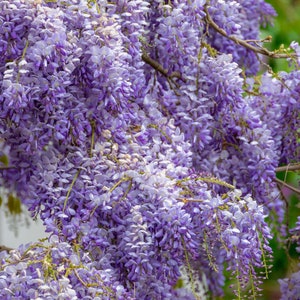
<point x="132" y="130"/>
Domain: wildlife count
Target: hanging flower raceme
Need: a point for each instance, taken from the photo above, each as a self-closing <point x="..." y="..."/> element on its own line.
<point x="130" y="128"/>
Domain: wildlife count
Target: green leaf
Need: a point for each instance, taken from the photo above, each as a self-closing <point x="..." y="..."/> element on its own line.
<point x="179" y="284"/>
<point x="4" y="159"/>
<point x="14" y="205"/>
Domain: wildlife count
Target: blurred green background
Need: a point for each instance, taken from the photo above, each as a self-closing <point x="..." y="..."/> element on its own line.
<point x="285" y="30"/>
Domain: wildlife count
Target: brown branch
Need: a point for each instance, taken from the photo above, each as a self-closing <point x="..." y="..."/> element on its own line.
<point x="287" y="168"/>
<point x="4" y="248"/>
<point x="259" y="50"/>
<point x="292" y="188"/>
<point x="158" y="67"/>
<point x="79" y="278"/>
<point x="7" y="167"/>
<point x="154" y="64"/>
<point x="185" y="200"/>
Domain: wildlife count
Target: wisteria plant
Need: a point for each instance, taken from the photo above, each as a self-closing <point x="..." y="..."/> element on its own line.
<point x="146" y="136"/>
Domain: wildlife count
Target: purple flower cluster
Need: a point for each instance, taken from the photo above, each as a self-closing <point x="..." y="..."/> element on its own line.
<point x="290" y="287"/>
<point x="231" y="229"/>
<point x="127" y="130"/>
<point x="56" y="270"/>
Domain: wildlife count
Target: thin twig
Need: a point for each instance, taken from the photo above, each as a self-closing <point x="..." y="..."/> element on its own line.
<point x="4" y="248"/>
<point x="154" y="64"/>
<point x="189" y="200"/>
<point x="287" y="168"/>
<point x="158" y="67"/>
<point x="7" y="167"/>
<point x="79" y="278"/>
<point x="70" y="189"/>
<point x="292" y="188"/>
<point x="260" y="50"/>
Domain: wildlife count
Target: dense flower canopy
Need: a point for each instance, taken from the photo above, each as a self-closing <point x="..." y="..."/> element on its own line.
<point x="146" y="141"/>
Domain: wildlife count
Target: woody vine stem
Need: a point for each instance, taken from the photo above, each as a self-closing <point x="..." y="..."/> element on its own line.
<point x="257" y="49"/>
